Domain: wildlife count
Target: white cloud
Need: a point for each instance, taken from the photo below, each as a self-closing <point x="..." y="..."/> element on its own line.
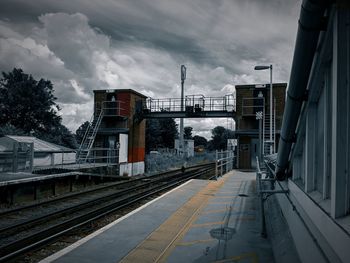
<point x="146" y="43"/>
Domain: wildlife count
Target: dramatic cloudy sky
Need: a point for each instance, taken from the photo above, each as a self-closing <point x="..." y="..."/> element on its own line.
<point x="82" y="45"/>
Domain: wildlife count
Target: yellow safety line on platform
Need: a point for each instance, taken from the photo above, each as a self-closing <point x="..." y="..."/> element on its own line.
<point x="159" y="244"/>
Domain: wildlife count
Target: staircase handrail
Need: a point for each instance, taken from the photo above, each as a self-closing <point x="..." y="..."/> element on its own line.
<point x="93" y="136"/>
<point x="85" y="134"/>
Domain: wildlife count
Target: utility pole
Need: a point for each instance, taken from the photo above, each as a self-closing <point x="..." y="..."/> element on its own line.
<point x="183" y="77"/>
<point x="259" y="117"/>
<point x="271" y="106"/>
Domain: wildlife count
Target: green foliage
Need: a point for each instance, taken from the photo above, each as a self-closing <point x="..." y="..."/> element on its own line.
<point x="188" y="133"/>
<point x="200" y="141"/>
<point x="80" y="132"/>
<point x="27" y="104"/>
<point x="160" y="133"/>
<point x="28" y="107"/>
<point x="9" y="129"/>
<point x="219" y="138"/>
<point x="59" y="135"/>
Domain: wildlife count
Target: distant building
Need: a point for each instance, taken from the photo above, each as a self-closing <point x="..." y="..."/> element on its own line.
<point x="114" y="136"/>
<point x="17" y="149"/>
<point x="251" y="99"/>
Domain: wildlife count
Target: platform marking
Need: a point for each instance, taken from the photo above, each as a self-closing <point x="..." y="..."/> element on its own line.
<point x="220" y="203"/>
<point x="232" y="197"/>
<point x="209" y="224"/>
<point x="190" y="243"/>
<point x="252" y="256"/>
<point x="238" y="218"/>
<point x="214" y="211"/>
<point x="73" y="246"/>
<point x="157" y="246"/>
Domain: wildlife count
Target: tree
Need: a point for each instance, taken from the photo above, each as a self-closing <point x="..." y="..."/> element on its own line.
<point x="27" y="104"/>
<point x="160" y="133"/>
<point x="28" y="107"/>
<point x="169" y="131"/>
<point x="59" y="135"/>
<point x="153" y="134"/>
<point x="188" y="133"/>
<point x="200" y="141"/>
<point x="9" y="129"/>
<point x="219" y="138"/>
<point x="80" y="132"/>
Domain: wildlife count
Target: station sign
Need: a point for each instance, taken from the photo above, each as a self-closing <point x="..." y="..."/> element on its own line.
<point x="260" y="86"/>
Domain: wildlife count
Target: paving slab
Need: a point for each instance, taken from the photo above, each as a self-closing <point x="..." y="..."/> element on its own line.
<point x="201" y="221"/>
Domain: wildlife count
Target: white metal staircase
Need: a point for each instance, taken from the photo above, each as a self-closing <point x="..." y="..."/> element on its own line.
<point x="89" y="137"/>
<point x="266" y="133"/>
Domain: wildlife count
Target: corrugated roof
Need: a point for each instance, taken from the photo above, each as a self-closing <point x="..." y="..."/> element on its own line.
<point x="40" y="145"/>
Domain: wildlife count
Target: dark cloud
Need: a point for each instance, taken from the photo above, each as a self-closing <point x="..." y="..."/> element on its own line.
<point x="84" y="45"/>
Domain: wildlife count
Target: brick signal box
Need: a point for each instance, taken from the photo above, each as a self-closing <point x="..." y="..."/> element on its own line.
<point x="117" y="128"/>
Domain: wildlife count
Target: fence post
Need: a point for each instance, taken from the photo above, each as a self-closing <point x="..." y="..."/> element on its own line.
<point x="263" y="223"/>
<point x="31" y="158"/>
<point x="216" y="164"/>
<point x="15" y="157"/>
<point x="222" y="164"/>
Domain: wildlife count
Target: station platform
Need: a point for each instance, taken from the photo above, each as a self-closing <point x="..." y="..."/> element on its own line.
<point x="74" y="166"/>
<point x="9" y="178"/>
<point x="22" y="177"/>
<point x="200" y="221"/>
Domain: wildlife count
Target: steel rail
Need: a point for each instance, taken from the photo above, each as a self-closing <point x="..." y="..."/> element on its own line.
<point x="20" y="246"/>
<point x="82" y="205"/>
<point x="95" y="189"/>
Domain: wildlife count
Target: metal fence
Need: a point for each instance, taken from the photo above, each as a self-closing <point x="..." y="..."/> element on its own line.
<point x="18" y="160"/>
<point x="193" y="102"/>
<point x="167" y="159"/>
<point x="224" y="162"/>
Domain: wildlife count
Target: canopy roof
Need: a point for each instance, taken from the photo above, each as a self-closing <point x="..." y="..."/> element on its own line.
<point x="39" y="145"/>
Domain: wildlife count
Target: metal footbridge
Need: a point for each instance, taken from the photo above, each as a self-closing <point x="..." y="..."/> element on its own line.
<point x="192" y="106"/>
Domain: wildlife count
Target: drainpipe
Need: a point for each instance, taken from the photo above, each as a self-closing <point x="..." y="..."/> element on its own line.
<point x="311" y="22"/>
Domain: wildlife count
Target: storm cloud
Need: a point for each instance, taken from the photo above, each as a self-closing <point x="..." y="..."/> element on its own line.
<point x="84" y="45"/>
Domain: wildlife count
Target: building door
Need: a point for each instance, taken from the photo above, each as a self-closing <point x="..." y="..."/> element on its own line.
<point x="112" y="152"/>
<point x="254" y="146"/>
<point x="244" y="156"/>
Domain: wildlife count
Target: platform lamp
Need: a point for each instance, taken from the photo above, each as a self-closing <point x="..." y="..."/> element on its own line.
<point x="259" y="117"/>
<point x="263" y="68"/>
<point x="183" y="77"/>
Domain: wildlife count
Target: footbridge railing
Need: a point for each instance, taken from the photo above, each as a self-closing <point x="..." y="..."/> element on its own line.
<point x="192" y="106"/>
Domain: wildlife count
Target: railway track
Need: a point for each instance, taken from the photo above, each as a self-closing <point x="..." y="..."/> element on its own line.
<point x="25" y="233"/>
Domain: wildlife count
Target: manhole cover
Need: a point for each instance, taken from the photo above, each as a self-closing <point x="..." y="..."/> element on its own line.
<point x="243" y="195"/>
<point x="222" y="233"/>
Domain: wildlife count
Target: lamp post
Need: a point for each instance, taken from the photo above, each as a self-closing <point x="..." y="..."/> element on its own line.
<point x="183" y="77"/>
<point x="263" y="68"/>
<point x="259" y="117"/>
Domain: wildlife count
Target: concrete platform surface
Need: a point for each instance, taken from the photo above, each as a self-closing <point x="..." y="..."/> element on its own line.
<point x="200" y="221"/>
